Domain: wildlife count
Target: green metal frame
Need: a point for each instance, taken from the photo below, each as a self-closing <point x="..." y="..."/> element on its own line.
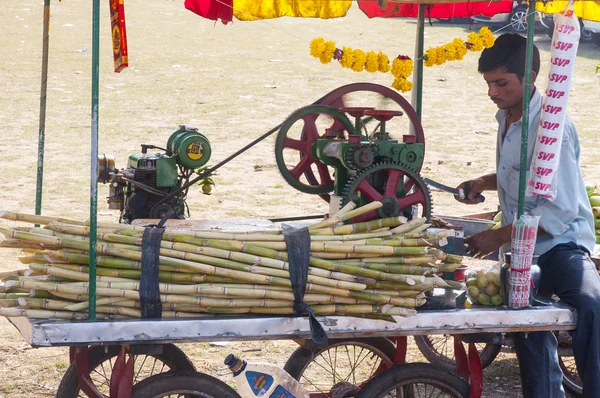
<point x="42" y="127"/>
<point x="94" y="156"/>
<point x="526" y="100"/>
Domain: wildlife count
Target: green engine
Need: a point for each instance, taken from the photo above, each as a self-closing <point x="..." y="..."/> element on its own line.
<point x="141" y="189"/>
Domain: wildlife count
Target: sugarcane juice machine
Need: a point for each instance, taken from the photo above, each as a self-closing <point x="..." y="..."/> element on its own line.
<point x="333" y="157"/>
<point x="367" y="165"/>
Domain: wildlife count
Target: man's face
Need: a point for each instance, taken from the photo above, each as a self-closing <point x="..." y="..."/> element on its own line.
<point x="505" y="89"/>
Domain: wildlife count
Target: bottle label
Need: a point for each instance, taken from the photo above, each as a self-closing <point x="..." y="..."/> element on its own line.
<point x="281" y="392"/>
<point x="259" y="382"/>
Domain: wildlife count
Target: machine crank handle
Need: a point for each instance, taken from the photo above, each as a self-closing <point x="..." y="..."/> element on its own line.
<point x="467" y="190"/>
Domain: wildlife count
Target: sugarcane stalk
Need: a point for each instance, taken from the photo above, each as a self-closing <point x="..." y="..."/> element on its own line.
<point x="397" y="293"/>
<point x="395" y="268"/>
<point x="46" y="314"/>
<point x="346" y="216"/>
<point x="35" y="219"/>
<point x="418" y="242"/>
<point x="449" y="267"/>
<point x="19" y="244"/>
<point x="400" y="259"/>
<point x="409" y="226"/>
<point x="45" y="304"/>
<point x="454" y="284"/>
<point x="163" y="276"/>
<point x="4" y="303"/>
<point x="167" y="298"/>
<point x="361" y="227"/>
<point x="14" y="272"/>
<point x="99" y="302"/>
<point x="29" y="259"/>
<point x="345" y="209"/>
<point x="13" y="296"/>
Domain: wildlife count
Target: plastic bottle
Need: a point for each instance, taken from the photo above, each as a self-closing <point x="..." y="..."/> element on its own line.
<point x="263" y="380"/>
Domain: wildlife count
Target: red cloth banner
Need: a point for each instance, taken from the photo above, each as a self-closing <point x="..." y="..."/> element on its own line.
<point x="212" y="9"/>
<point x="119" y="34"/>
<point x="441" y="11"/>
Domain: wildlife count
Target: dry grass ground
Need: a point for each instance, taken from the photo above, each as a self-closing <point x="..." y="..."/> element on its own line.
<point x="235" y="83"/>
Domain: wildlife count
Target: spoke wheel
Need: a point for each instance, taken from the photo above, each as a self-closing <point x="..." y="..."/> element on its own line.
<point x="398" y="187"/>
<point x="415" y="380"/>
<point x="339" y="97"/>
<point x="344" y="364"/>
<point x="439" y="351"/>
<point x="183" y="385"/>
<point x="101" y="361"/>
<point x="294" y="147"/>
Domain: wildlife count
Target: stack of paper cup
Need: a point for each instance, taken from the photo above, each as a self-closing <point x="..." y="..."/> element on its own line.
<point x="565" y="41"/>
<point x="524" y="234"/>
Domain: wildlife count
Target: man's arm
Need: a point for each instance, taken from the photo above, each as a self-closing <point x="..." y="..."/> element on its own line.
<point x="487" y="182"/>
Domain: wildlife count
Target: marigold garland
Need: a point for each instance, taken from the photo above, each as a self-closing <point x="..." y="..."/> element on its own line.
<point x="402" y="66"/>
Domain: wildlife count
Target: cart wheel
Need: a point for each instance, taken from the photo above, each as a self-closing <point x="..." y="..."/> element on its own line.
<point x="101" y="361"/>
<point x="344" y="363"/>
<point x="413" y="380"/>
<point x="571" y="380"/>
<point x="182" y="384"/>
<point x="439" y="351"/>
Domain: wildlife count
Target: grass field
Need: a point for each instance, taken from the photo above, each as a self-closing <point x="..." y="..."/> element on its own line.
<point x="234" y="83"/>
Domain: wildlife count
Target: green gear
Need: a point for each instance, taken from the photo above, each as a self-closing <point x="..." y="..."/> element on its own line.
<point x="376" y="180"/>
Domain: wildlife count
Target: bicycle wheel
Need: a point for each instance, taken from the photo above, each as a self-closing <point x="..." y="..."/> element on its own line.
<point x="101" y="361"/>
<point x="414" y="380"/>
<point x="183" y="384"/>
<point x="346" y="364"/>
<point x="439" y="351"/>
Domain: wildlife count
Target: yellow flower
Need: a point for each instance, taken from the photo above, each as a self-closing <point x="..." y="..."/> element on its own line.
<point x="327" y="54"/>
<point x="487" y="37"/>
<point x="461" y="48"/>
<point x="384" y="62"/>
<point x="347" y="57"/>
<point x="372" y="64"/>
<point x="317" y="46"/>
<point x="433" y="56"/>
<point x="450" y="51"/>
<point x="475" y="41"/>
<point x="402" y="67"/>
<point x="401" y="84"/>
<point x="360" y="58"/>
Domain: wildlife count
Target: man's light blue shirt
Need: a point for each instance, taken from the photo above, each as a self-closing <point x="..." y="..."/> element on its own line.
<point x="568" y="218"/>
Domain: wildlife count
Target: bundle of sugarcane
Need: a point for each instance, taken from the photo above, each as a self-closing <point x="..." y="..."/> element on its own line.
<point x="376" y="268"/>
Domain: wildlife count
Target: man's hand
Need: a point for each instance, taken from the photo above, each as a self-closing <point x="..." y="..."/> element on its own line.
<point x="487" y="242"/>
<point x="477" y="186"/>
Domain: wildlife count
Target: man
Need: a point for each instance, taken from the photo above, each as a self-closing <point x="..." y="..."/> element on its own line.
<point x="565" y="235"/>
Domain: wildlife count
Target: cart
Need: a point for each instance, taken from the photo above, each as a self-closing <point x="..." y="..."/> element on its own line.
<point x="94" y="343"/>
<point x="155" y="338"/>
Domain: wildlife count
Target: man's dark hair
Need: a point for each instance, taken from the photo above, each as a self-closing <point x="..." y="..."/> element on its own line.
<point x="508" y="51"/>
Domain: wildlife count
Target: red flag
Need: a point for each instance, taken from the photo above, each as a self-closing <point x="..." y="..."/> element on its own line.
<point x="212" y="9"/>
<point x="119" y="34"/>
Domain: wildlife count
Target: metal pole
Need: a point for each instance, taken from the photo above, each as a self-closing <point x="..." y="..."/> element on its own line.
<point x="94" y="155"/>
<point x="42" y="125"/>
<point x="417" y="92"/>
<point x="526" y="100"/>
